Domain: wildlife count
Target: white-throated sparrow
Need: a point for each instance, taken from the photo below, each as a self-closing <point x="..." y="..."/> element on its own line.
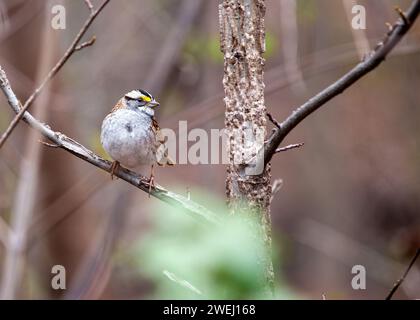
<point x="131" y="135"/>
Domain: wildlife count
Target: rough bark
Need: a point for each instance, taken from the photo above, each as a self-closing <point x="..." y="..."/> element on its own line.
<point x="243" y="43"/>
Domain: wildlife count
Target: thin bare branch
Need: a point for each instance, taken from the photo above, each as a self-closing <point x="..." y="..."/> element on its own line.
<point x="85" y="44"/>
<point x="181" y="282"/>
<point x="53" y="72"/>
<point x="372" y="61"/>
<point x="51" y="145"/>
<point x="89" y="5"/>
<point x="401" y="280"/>
<point x="275" y="188"/>
<point x="290" y="147"/>
<point x="273" y="121"/>
<point x="80" y="151"/>
<point x="402" y="15"/>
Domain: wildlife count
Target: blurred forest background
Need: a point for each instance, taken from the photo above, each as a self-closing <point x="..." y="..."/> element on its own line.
<point x="349" y="197"/>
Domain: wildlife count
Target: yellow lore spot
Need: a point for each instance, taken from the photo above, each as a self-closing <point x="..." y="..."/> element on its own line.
<point x="146" y="98"/>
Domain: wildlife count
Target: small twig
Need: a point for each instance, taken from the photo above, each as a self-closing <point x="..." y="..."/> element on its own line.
<point x="402" y="15"/>
<point x="401" y="280"/>
<point x="85" y="44"/>
<point x="277" y="185"/>
<point x="290" y="147"/>
<point x="274" y="121"/>
<point x="390" y="26"/>
<point x="51" y="145"/>
<point x="89" y="5"/>
<point x="181" y="282"/>
<point x="52" y="73"/>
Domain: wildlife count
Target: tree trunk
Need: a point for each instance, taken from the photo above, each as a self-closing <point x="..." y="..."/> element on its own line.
<point x="248" y="185"/>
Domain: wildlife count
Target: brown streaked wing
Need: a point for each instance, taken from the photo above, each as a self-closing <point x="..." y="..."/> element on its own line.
<point x="119" y="105"/>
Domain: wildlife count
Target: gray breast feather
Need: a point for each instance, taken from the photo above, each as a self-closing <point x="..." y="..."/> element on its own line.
<point x="127" y="137"/>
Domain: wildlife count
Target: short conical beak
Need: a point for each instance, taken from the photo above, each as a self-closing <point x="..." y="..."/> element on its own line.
<point x="153" y="103"/>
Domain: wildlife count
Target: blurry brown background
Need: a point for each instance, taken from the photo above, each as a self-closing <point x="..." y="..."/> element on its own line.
<point x="350" y="196"/>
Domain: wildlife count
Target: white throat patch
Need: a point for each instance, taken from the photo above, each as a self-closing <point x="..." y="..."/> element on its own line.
<point x="147" y="110"/>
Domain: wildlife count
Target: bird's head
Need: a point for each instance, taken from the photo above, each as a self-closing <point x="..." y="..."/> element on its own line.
<point x="141" y="100"/>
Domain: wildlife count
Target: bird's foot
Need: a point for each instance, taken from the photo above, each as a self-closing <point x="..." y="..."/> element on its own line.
<point x="114" y="167"/>
<point x="151" y="184"/>
<point x="151" y="180"/>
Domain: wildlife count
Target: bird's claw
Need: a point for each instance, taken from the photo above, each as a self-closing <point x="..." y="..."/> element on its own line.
<point x="151" y="180"/>
<point x="402" y="15"/>
<point x="115" y="165"/>
<point x="151" y="184"/>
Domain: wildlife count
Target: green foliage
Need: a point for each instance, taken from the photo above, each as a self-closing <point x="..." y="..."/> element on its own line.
<point x="186" y="259"/>
<point x="271" y="45"/>
<point x="203" y="48"/>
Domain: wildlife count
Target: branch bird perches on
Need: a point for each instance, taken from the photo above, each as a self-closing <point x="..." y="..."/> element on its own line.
<point x="60" y="140"/>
